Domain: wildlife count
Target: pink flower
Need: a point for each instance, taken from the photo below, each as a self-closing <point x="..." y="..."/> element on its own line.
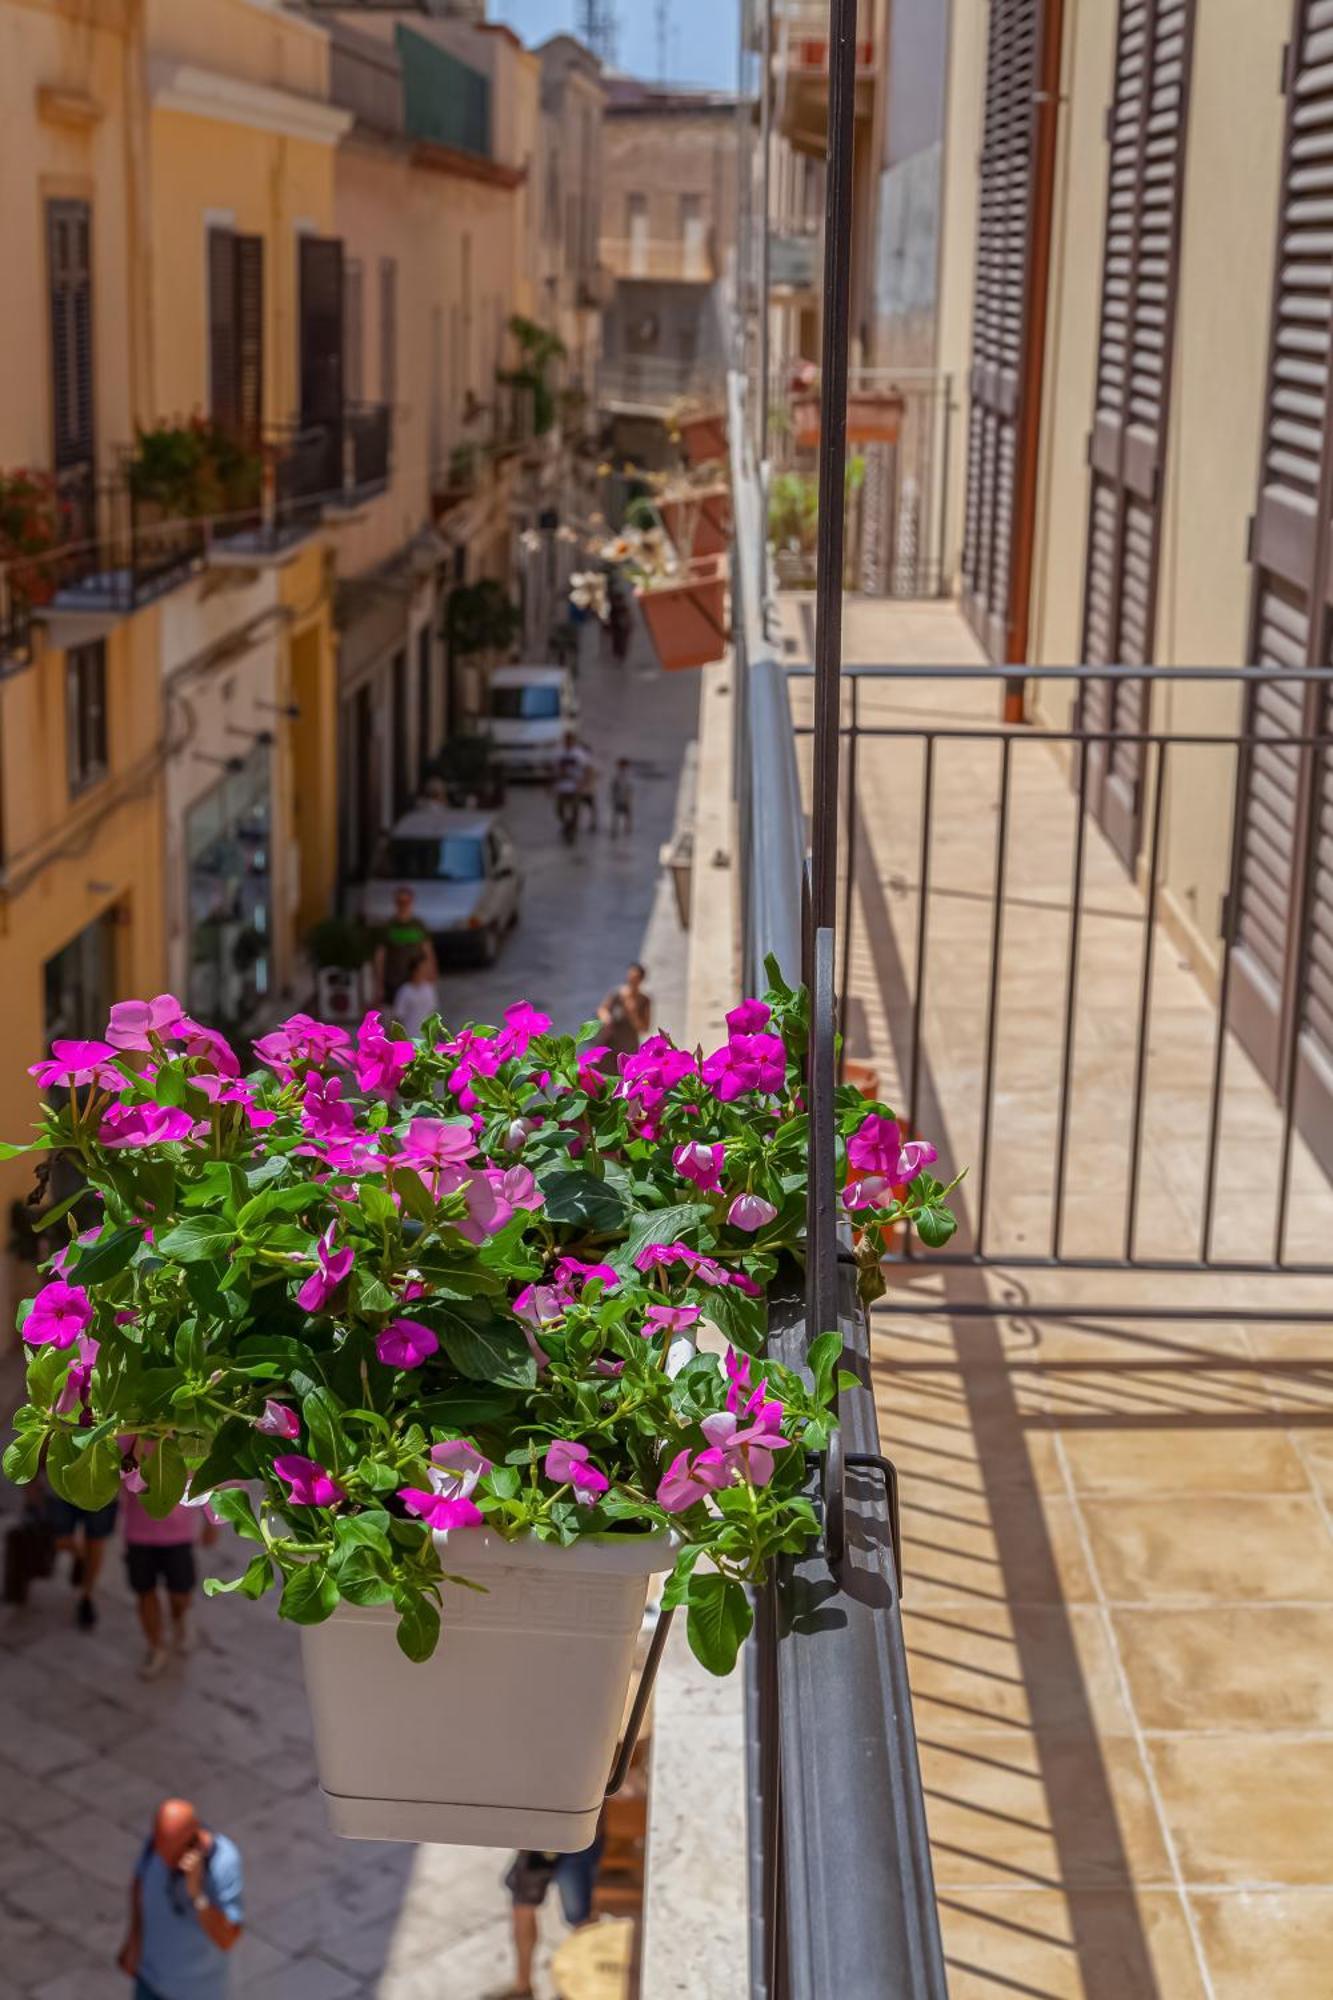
<point x="300" y="1041"/>
<point x="58" y="1315"/>
<point x="278" y="1421"/>
<point x="438" y="1511"/>
<point x="877" y="1147"/>
<point x="126" y="1125"/>
<point x="75" y="1063"/>
<point x="323" y="1113"/>
<point x="518" y="1187"/>
<point x="405" y="1343"/>
<point x="456" y="1468"/>
<point x="437" y="1149"/>
<point x="517" y="1133"/>
<point x="74" y="1390"/>
<point x="700" y="1163"/>
<point x="523" y="1022"/>
<point x="570" y="1465"/>
<point x="751" y="1017"/>
<point x="310" y="1485"/>
<point x="590" y="1077"/>
<point x="747" y="1063"/>
<point x="206" y="1045"/>
<point x="322" y="1283"/>
<point x="689" y="1479"/>
<point x="871" y="1191"/>
<point x="656" y="1067"/>
<point x="747" y="1449"/>
<point x="134" y="1023"/>
<point x="487" y="1209"/>
<point x="572" y="1274"/>
<point x="670" y="1319"/>
<point x="750" y="1212"/>
<point x="132" y="1480"/>
<point x="379" y="1062"/>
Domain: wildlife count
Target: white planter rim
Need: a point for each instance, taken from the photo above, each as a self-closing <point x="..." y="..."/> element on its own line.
<point x="466" y="1550"/>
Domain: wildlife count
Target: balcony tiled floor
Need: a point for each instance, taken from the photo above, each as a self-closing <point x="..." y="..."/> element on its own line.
<point x="1118" y="1540"/>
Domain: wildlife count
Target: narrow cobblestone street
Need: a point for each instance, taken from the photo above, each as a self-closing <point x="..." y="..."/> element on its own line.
<point x="88" y="1749"/>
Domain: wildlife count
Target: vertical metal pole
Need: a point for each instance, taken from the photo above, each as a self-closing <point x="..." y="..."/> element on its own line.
<point x="946" y="429"/>
<point x="849" y="882"/>
<point x="922" y="921"/>
<point x="1071" y="1002"/>
<point x="766" y="183"/>
<point x="993" y="994"/>
<point x="1304" y="916"/>
<point x="833" y="457"/>
<point x="1240" y="794"/>
<point x="1145" y="1007"/>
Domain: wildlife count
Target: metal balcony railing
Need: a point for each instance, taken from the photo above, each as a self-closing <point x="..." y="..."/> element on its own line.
<point x="367" y="431"/>
<point x="124" y="549"/>
<point x="678" y="260"/>
<point x="651" y="383"/>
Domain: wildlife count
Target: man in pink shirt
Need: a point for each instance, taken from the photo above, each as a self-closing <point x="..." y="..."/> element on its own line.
<point x="162" y="1552"/>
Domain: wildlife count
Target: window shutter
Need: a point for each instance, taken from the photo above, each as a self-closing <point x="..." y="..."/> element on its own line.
<point x="388" y="331"/>
<point x="250" y="336"/>
<point x="1284" y="882"/>
<point x="1146" y="130"/>
<point x="69" y="261"/>
<point x="353" y="332"/>
<point x="1013" y="233"/>
<point x="222" y="328"/>
<point x="321" y="340"/>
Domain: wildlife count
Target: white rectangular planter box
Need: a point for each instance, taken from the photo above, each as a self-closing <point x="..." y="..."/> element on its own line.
<point x="505" y="1736"/>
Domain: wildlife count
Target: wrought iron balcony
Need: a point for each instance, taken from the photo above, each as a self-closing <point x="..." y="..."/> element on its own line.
<point x="679" y="260"/>
<point x="124" y="547"/>
<point x="367" y="435"/>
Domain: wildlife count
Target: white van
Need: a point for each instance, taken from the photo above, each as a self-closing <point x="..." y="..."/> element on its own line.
<point x="529" y="709"/>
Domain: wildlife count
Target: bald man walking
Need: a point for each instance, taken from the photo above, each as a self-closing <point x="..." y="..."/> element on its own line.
<point x="185" y="1909"/>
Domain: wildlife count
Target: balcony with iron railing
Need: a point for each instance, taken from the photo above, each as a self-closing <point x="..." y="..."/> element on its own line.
<point x="653" y="384"/>
<point x="669" y="260"/>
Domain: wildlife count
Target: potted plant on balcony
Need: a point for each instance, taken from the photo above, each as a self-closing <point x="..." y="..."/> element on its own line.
<point x="31" y="529"/>
<point x="683" y="602"/>
<point x="700" y="429"/>
<point x="694" y="511"/>
<point x="421" y="1318"/>
<point x="874" y="416"/>
<point x="197" y="470"/>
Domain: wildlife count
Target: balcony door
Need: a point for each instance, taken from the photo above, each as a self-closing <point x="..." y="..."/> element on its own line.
<point x="70" y="287"/>
<point x="236" y="332"/>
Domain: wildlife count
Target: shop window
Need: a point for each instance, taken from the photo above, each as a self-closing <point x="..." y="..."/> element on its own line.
<point x="228" y="836"/>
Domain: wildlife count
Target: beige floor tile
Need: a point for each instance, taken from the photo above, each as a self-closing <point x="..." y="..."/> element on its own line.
<point x="1026" y="1551"/>
<point x="1261" y="1548"/>
<point x="1170" y="1459"/>
<point x="1316" y="1448"/>
<point x="1259" y="1667"/>
<point x="1048" y="1667"/>
<point x="1271" y="1943"/>
<point x="1248" y="1809"/>
<point x="1081" y="1946"/>
<point x="1069" y="1813"/>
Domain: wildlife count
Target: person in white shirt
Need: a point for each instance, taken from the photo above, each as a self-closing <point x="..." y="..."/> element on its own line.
<point x="417" y="998"/>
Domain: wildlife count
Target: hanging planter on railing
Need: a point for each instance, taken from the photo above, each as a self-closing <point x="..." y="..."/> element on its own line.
<point x="697" y="518"/>
<point x="702" y="433"/>
<point x="418" y="1318"/>
<point x="874" y="416"/>
<point x="686" y="613"/>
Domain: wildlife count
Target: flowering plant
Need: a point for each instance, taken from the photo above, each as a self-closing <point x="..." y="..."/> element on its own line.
<point x="397" y="1287"/>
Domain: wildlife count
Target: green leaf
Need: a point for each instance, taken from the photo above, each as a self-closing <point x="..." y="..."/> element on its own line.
<point x="233" y="1505"/>
<point x="658" y="1225"/>
<point x="369" y="1294"/>
<point x="231" y="1456"/>
<point x="166" y="1476"/>
<point x="23" y="1456"/>
<point x="188" y="1347"/>
<point x="197" y="1238"/>
<point x="377" y="1205"/>
<point x="677" y="1588"/>
<point x="276" y="1201"/>
<point x="8" y="1152"/>
<point x="935" y="1225"/>
<point x="719" y="1620"/>
<point x="490" y="1353"/>
<point x="253" y="1582"/>
<point x="323" y="1420"/>
<point x="578" y="1200"/>
<point x="88" y="1478"/>
<point x="822" y="1359"/>
<point x="418" y="1624"/>
<point x="741" y="1318"/>
<point x="106" y="1258"/>
<point x="309" y="1595"/>
<point x="369" y="1530"/>
<point x="362" y="1577"/>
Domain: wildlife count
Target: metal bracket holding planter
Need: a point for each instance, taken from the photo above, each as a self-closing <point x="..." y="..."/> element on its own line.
<point x="629" y="1743"/>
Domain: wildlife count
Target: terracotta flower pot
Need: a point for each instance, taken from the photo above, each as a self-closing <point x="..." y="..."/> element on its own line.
<point x="704" y="439"/>
<point x="687" y="618"/>
<point x="699" y="524"/>
<point x="506" y="1735"/>
<point x="874" y="416"/>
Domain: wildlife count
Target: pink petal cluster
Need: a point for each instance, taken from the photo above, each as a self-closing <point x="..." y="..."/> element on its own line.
<point x="523" y="1023"/>
<point x="301" y="1043"/>
<point x="125" y="1125"/>
<point x="73" y="1064"/>
<point x="437" y="1149"/>
<point x="59" y="1314"/>
<point x="379" y="1062"/>
<point x="703" y="1269"/>
<point x="135" y="1024"/>
<point x="700" y="1163"/>
<point x="749" y="1063"/>
<point x="751" y="1212"/>
<point x="670" y="1319"/>
<point x="405" y="1343"/>
<point x="438" y="1511"/>
<point x="691" y="1477"/>
<point x="74" y="1390"/>
<point x="332" y="1267"/>
<point x="324" y="1113"/>
<point x="571" y="1465"/>
<point x="307" y="1481"/>
<point x="278" y="1421"/>
<point x="457" y="1467"/>
<point x="877" y="1147"/>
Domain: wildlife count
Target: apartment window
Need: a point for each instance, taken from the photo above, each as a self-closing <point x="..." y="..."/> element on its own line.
<point x="85" y="713"/>
<point x="69" y="258"/>
<point x="388" y="331"/>
<point x="321" y="329"/>
<point x="354" y="356"/>
<point x="236" y="331"/>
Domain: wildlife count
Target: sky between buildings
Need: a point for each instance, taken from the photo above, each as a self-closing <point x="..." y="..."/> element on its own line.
<point x="701" y="37"/>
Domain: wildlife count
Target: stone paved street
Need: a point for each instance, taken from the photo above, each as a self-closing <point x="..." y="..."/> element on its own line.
<point x="87" y="1749"/>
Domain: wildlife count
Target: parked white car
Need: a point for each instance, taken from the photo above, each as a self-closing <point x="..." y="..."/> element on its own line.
<point x="463" y="871"/>
<point x="529" y="709"/>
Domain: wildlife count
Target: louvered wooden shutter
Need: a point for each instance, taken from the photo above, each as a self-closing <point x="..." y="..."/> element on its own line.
<point x="69" y="259"/>
<point x="353" y="331"/>
<point x="1022" y="72"/>
<point x="1146" y="127"/>
<point x="321" y="348"/>
<point x="1280" y="1007"/>
<point x="236" y="331"/>
<point x="388" y="331"/>
<point x="222" y="328"/>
